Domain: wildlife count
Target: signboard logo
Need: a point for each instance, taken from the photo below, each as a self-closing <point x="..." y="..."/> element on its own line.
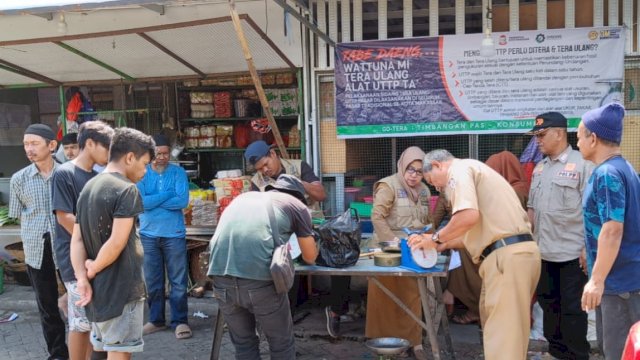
<point x="610" y="34"/>
<point x="540" y="38"/>
<point x="502" y="40"/>
<point x="593" y="35"/>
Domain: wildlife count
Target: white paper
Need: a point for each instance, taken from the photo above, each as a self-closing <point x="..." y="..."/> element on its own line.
<point x="455" y="260"/>
<point x="294" y="246"/>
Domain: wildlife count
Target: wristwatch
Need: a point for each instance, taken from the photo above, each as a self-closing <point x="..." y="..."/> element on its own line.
<point x="436" y="238"/>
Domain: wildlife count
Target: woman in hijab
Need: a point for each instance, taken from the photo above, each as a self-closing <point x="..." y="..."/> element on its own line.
<point x="400" y="200"/>
<point x="508" y="165"/>
<point x="464" y="282"/>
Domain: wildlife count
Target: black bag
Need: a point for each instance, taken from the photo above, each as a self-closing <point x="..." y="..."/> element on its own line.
<point x="339" y="242"/>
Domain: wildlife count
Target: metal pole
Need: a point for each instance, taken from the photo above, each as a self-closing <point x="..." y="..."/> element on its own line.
<point x="63" y="112"/>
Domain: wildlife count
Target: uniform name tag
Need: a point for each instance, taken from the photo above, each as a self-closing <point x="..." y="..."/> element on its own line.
<point x="568" y="175"/>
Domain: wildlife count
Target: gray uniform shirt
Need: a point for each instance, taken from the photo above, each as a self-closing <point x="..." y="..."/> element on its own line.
<point x="556" y="199"/>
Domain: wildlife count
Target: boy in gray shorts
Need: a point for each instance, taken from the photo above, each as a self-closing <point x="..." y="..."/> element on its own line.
<point x="106" y="252"/>
<point x="93" y="139"/>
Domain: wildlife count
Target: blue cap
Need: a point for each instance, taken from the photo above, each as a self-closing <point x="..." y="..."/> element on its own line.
<point x="256" y="151"/>
<point x="605" y="122"/>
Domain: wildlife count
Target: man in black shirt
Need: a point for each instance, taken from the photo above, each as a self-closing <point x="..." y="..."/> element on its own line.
<point x="70" y="178"/>
<point x="106" y="252"/>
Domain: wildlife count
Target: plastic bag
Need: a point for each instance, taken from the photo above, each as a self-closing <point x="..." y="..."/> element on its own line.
<point x="339" y="241"/>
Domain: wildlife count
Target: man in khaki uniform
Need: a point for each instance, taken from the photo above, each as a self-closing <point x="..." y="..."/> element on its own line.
<point x="489" y="221"/>
<point x="555" y="211"/>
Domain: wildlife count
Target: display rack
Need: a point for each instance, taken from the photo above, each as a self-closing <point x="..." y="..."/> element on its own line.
<point x="213" y="159"/>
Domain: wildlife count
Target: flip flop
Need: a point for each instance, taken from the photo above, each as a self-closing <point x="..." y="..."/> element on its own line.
<point x="464" y="319"/>
<point x="183" y="331"/>
<point x="150" y="328"/>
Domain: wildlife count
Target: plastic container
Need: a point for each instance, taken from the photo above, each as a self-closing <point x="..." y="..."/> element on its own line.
<point x="366" y="226"/>
<point x="364" y="209"/>
<point x="350" y="194"/>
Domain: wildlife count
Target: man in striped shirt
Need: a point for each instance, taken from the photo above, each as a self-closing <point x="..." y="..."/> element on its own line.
<point x="30" y="200"/>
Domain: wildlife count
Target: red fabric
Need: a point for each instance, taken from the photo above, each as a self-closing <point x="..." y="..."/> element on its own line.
<point x="632" y="347"/>
<point x="74" y="107"/>
<point x="527" y="168"/>
<point x="508" y="165"/>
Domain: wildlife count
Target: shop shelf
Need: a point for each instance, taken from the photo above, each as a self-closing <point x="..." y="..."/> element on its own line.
<point x="208" y="120"/>
<point x="230" y="149"/>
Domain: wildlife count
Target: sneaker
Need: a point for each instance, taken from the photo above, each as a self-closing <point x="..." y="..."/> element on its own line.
<point x="333" y="322"/>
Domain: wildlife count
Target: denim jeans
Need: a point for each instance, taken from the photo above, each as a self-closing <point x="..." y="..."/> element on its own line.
<point x="617" y="314"/>
<point x="170" y="255"/>
<point x="245" y="302"/>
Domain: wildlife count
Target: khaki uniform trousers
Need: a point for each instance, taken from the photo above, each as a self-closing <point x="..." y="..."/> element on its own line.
<point x="509" y="279"/>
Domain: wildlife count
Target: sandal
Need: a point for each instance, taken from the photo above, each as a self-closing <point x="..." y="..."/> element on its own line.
<point x="150" y="328"/>
<point x="183" y="331"/>
<point x="419" y="353"/>
<point x="465" y="319"/>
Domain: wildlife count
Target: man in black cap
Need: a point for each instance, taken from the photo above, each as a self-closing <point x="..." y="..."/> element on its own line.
<point x="30" y="200"/>
<point x="555" y="213"/>
<point x="241" y="252"/>
<point x="165" y="192"/>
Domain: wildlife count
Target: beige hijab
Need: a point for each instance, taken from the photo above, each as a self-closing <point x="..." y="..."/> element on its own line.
<point x="408" y="156"/>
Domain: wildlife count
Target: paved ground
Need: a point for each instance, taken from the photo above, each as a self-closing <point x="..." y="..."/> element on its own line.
<point x="22" y="339"/>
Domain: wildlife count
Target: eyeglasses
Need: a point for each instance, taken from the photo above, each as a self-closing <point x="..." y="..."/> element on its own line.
<point x="412" y="171"/>
<point x="540" y="134"/>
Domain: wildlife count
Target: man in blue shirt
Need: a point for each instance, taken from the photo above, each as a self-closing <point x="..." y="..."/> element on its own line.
<point x="165" y="192"/>
<point x="612" y="228"/>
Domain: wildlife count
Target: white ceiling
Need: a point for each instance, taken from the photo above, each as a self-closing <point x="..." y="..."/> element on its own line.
<point x="106" y="44"/>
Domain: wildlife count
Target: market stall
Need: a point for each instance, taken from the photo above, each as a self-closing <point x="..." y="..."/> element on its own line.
<point x="164" y="67"/>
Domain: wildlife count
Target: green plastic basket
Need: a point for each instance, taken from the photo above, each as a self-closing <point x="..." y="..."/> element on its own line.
<point x="364" y="209"/>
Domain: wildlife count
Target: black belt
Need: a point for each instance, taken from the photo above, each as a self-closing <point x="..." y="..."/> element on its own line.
<point x="504" y="242"/>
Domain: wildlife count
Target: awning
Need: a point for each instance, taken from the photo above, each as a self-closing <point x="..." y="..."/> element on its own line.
<point x="187" y="49"/>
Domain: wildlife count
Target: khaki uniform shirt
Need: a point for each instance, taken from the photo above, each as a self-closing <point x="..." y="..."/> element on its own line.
<point x="556" y="199"/>
<point x="393" y="210"/>
<point x="473" y="185"/>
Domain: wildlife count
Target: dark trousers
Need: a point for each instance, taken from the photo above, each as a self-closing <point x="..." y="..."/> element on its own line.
<point x="45" y="286"/>
<point x="559" y="295"/>
<point x="339" y="294"/>
<point x="245" y="303"/>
